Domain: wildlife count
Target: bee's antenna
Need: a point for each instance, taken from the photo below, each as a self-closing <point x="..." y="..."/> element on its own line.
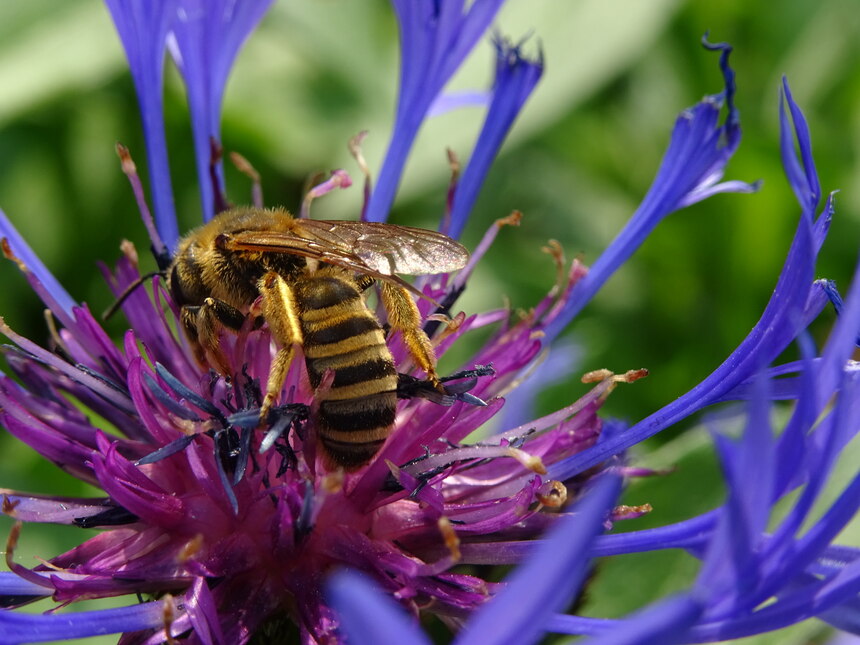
<point x="110" y="311"/>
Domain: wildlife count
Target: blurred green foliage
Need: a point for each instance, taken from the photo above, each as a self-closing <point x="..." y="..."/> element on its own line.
<point x="579" y="161"/>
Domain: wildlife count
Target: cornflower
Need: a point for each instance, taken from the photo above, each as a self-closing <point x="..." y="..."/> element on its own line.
<point x="228" y="534"/>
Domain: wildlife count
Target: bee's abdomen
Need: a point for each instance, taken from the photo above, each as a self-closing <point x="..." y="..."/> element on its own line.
<point x="340" y="334"/>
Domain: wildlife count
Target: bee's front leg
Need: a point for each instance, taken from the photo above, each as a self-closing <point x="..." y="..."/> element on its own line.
<point x="202" y="325"/>
<point x="280" y="312"/>
<point x="403" y="315"/>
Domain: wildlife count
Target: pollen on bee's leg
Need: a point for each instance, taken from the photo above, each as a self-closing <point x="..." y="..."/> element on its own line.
<point x="277" y="376"/>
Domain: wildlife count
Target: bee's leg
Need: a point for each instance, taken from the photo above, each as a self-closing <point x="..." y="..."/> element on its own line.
<point x="403" y="315"/>
<point x="188" y="318"/>
<point x="279" y="310"/>
<point x="365" y="282"/>
<point x="202" y="324"/>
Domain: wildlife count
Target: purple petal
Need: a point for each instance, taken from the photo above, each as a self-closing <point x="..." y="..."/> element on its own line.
<point x="516" y="77"/>
<point x="368" y="616"/>
<point x="546" y="582"/>
<point x="204" y="614"/>
<point x="56" y="510"/>
<point x="52" y="292"/>
<point x="563" y="359"/>
<point x="208" y="37"/>
<point x="142" y="26"/>
<point x="435" y="38"/>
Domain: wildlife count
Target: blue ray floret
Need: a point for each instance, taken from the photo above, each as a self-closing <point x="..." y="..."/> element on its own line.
<point x="516" y="77"/>
<point x="207" y="37"/>
<point x="692" y="166"/>
<point x="143" y="26"/>
<point x="435" y="38"/>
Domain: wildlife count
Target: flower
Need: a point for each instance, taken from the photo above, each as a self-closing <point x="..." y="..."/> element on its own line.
<point x="232" y="534"/>
<point x="760" y="569"/>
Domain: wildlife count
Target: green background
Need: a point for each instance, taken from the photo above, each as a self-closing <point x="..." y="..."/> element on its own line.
<point x="578" y="162"/>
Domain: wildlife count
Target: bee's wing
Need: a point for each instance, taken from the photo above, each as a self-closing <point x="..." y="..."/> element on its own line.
<point x="376" y="249"/>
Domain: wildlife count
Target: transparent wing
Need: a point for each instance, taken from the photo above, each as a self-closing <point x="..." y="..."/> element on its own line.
<point x="379" y="250"/>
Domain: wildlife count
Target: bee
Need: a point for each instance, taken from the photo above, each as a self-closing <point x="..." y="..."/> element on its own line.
<point x="306" y="279"/>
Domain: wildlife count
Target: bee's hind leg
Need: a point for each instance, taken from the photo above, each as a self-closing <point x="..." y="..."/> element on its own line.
<point x="280" y="312"/>
<point x="202" y="325"/>
<point x="403" y="315"/>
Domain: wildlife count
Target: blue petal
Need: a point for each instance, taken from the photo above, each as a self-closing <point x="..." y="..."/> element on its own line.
<point x="367" y="615"/>
<point x="209" y="34"/>
<point x="547" y="581"/>
<point x="698" y="151"/>
<point x="516" y="77"/>
<point x="794" y="301"/>
<point x="661" y="624"/>
<point x="801" y="173"/>
<point x="16" y="627"/>
<point x="435" y="38"/>
<point x="812" y="599"/>
<point x="13" y="585"/>
<point x="731" y="569"/>
<point x="142" y="26"/>
<point x="779" y="325"/>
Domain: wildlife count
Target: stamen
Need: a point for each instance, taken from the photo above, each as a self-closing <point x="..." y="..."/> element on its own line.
<point x="190" y="549"/>
<point x="477" y="452"/>
<point x="454" y="164"/>
<point x="339" y="179"/>
<point x="449" y="326"/>
<point x="452" y="542"/>
<point x="244" y="166"/>
<point x="624" y="512"/>
<point x="54" y="333"/>
<point x="162" y="255"/>
<point x="605" y="375"/>
<point x="554" y="249"/>
<point x="216" y="152"/>
<point x="552" y="494"/>
<point x="168" y="615"/>
<point x="128" y="249"/>
<point x="532" y="462"/>
<point x="333" y="481"/>
<point x="513" y="219"/>
<point x="9" y="506"/>
<point x="354" y="146"/>
<point x="14" y="534"/>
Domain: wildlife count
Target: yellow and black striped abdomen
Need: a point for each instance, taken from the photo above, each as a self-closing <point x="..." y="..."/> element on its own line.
<point x="340" y="334"/>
